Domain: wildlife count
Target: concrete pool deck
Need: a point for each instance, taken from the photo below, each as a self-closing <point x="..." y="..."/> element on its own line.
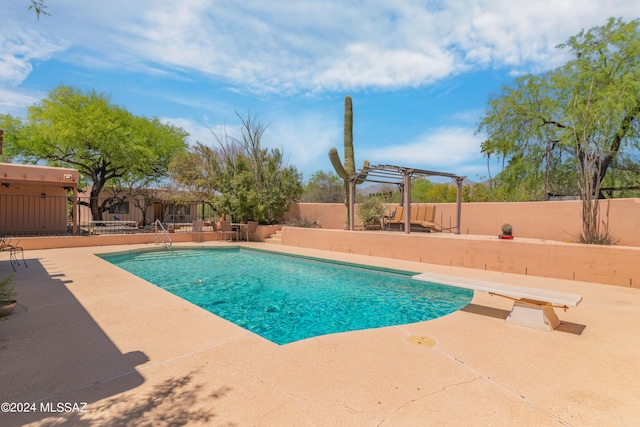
<point x="86" y="332"/>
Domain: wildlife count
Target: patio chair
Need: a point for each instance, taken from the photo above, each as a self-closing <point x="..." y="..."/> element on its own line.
<point x="386" y="218"/>
<point x="252" y="226"/>
<point x="227" y="228"/>
<point x="398" y="218"/>
<point x="197" y="228"/>
<point x="5" y="245"/>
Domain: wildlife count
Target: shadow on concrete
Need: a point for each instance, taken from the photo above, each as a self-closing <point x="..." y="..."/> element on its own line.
<point x="486" y="311"/>
<point x="570" y="328"/>
<point x="498" y="313"/>
<point x="171" y="403"/>
<point x="52" y="349"/>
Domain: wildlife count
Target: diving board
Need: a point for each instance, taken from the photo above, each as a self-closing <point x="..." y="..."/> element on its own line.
<point x="532" y="307"/>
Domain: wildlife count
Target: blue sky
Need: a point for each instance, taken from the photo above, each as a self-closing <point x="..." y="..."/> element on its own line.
<point x="420" y="72"/>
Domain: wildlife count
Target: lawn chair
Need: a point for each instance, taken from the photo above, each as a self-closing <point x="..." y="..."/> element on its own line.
<point x="5" y="245"/>
<point x="397" y="217"/>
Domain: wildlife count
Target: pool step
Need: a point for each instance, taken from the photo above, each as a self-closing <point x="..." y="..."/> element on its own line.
<point x="166" y="254"/>
<point x="275" y="238"/>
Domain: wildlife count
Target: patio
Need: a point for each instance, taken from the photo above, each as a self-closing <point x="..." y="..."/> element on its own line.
<point x="85" y="331"/>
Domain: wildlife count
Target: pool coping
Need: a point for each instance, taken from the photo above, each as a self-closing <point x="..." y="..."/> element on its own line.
<point x="85" y="331"/>
<point x="430" y="305"/>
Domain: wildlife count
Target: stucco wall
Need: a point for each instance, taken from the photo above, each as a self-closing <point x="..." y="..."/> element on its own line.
<point x="558" y="220"/>
<point x="612" y="265"/>
<point x="54" y="242"/>
<point x="33" y="198"/>
<point x="328" y="215"/>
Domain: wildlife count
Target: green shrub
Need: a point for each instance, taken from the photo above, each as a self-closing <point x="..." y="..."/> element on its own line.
<point x="370" y="211"/>
<point x="7" y="290"/>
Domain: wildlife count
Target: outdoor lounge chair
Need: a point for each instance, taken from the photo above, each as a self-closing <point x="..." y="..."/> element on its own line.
<point x="425" y="217"/>
<point x="384" y="219"/>
<point x="5" y="245"/>
<point x="422" y="217"/>
<point x="397" y="217"/>
<point x="417" y="212"/>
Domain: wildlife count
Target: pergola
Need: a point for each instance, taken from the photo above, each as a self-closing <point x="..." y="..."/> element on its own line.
<point x="400" y="176"/>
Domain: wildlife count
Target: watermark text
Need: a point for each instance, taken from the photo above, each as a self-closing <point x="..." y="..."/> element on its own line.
<point x="47" y="407"/>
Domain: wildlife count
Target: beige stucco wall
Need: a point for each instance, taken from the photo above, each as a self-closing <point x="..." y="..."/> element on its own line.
<point x="558" y="220"/>
<point x="33" y="199"/>
<point x="328" y="215"/>
<point x="33" y="175"/>
<point x="55" y="242"/>
<point x="612" y="265"/>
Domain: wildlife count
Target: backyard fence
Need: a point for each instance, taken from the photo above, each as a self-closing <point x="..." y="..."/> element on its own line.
<point x="54" y="215"/>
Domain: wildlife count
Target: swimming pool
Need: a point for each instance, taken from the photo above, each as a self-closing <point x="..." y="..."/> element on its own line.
<point x="286" y="298"/>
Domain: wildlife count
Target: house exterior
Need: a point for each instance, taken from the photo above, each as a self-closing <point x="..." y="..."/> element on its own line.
<point x="142" y="206"/>
<point x="43" y="200"/>
<point x="37" y="199"/>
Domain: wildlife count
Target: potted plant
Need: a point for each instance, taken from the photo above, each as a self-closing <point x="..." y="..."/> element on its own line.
<point x="7" y="292"/>
<point x="507" y="232"/>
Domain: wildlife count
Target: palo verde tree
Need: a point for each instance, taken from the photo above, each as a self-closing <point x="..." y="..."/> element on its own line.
<point x="104" y="142"/>
<point x="577" y="120"/>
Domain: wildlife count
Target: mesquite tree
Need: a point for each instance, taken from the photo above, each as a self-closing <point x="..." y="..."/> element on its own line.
<point x="584" y="116"/>
<point x="104" y="142"/>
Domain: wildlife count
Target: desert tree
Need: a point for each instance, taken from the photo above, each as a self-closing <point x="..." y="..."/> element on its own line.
<point x="103" y="141"/>
<point x="591" y="101"/>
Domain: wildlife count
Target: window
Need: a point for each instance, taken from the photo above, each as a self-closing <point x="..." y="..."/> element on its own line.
<point x="119" y="208"/>
<point x="179" y="209"/>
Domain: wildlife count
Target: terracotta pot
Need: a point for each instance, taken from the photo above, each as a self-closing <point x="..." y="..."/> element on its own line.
<point x="505" y="237"/>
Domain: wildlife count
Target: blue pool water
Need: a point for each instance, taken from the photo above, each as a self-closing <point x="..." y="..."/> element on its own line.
<point x="287" y="298"/>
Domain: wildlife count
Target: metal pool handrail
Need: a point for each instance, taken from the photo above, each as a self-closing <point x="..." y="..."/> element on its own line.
<point x="159" y="226"/>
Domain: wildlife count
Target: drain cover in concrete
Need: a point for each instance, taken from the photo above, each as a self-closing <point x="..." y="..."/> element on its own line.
<point x="424" y="341"/>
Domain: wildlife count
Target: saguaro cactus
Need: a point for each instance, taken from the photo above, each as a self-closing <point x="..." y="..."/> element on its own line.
<point x="348" y="169"/>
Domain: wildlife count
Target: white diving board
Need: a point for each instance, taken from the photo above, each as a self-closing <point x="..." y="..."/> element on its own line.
<point x="532" y="307"/>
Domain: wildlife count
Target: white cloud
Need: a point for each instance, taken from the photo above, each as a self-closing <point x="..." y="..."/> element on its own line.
<point x="441" y="150"/>
<point x="19" y="49"/>
<point x="305" y="140"/>
<point x="198" y="131"/>
<point x="289" y="46"/>
<point x="13" y="101"/>
<point x="293" y="46"/>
